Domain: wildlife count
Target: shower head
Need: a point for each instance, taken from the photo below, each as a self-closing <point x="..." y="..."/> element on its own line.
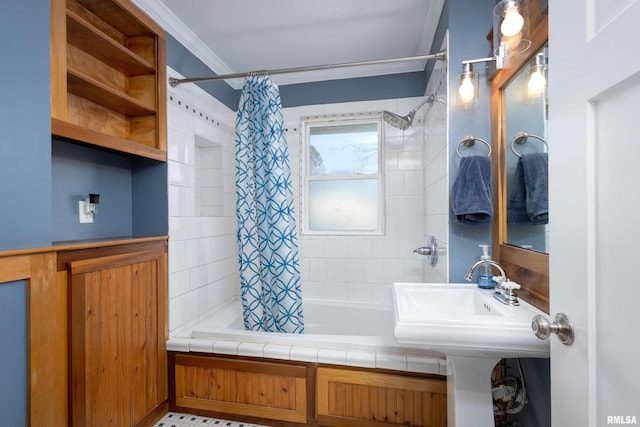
<point x="404" y="122"/>
<point x="397" y="121"/>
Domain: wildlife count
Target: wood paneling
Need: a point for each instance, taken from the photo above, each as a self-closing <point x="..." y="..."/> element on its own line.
<point x="252" y="390"/>
<point x="15" y="268"/>
<point x="58" y="60"/>
<point x="47" y="330"/>
<point x="360" y="398"/>
<point x="255" y="389"/>
<point x="48" y="356"/>
<point x="118" y="334"/>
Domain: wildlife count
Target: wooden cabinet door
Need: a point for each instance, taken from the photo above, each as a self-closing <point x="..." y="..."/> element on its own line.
<point x="118" y="334"/>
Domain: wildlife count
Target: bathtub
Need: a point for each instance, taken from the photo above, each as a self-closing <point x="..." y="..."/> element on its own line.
<point x="338" y="333"/>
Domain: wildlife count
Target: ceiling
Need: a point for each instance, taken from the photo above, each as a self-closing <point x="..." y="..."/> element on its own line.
<point x="237" y="36"/>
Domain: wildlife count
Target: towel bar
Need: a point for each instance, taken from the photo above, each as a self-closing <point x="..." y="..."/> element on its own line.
<point x="469" y="141"/>
<point x="521" y="138"/>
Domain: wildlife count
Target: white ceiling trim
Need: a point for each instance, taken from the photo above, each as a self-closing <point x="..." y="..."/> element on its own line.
<point x="174" y="26"/>
<point x="431" y="25"/>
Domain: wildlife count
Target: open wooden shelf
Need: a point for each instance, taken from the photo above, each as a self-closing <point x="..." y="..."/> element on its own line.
<point x="108" y="76"/>
<point x="86" y="37"/>
<point x="87" y="87"/>
<point x="100" y="139"/>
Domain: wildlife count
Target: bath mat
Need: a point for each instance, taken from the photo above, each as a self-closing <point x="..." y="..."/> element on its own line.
<point x="175" y="419"/>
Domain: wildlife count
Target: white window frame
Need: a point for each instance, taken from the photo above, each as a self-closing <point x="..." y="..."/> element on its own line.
<point x="307" y="124"/>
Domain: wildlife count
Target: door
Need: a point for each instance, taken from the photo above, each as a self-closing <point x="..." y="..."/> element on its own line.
<point x="594" y="134"/>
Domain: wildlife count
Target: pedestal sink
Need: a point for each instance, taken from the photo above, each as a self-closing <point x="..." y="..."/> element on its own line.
<point x="474" y="330"/>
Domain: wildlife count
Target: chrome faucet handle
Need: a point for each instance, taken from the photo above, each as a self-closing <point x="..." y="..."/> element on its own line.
<point x="499" y="279"/>
<point x="508" y="285"/>
<point x="504" y="292"/>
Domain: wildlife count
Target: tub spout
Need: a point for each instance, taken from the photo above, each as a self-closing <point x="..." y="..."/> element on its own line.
<point x="423" y="250"/>
<point x="431" y="251"/>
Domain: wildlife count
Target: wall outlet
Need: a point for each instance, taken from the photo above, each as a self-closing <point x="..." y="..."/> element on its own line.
<point x="85" y="218"/>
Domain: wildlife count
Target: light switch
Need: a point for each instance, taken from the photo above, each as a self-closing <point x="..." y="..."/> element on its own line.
<point x="85" y="218"/>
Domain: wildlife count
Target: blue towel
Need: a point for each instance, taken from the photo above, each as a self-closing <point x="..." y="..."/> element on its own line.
<point x="471" y="197"/>
<point x="529" y="200"/>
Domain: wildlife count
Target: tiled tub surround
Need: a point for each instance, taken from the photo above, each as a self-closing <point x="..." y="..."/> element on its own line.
<point x="346" y="369"/>
<point x="345" y="279"/>
<point x="349" y="334"/>
<point x="202" y="248"/>
<point x="436" y="169"/>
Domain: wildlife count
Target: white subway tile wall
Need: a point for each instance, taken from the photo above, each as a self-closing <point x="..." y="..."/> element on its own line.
<point x="202" y="254"/>
<point x="436" y="169"/>
<point x="202" y="249"/>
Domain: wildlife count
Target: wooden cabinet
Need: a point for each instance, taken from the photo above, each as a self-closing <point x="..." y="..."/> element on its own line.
<point x="108" y="76"/>
<point x="359" y="398"/>
<point x="261" y="391"/>
<point x="256" y="389"/>
<point x="118" y="322"/>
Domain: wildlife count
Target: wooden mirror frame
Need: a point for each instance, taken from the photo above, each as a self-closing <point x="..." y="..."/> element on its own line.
<point x="528" y="268"/>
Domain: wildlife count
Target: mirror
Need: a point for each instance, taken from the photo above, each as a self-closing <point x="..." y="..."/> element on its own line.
<point x="520" y="248"/>
<point x="525" y="150"/>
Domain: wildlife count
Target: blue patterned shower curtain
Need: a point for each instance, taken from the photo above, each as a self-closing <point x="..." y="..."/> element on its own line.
<point x="267" y="236"/>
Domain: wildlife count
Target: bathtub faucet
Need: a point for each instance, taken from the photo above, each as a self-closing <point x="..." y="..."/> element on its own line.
<point x="504" y="287"/>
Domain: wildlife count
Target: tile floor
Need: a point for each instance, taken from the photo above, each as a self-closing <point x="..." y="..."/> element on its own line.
<point x="174" y="419"/>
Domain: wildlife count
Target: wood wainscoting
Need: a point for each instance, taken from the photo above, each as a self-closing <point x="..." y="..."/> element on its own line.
<point x="256" y="389"/>
<point x="355" y="398"/>
<point x="97" y="320"/>
<point x="289" y="393"/>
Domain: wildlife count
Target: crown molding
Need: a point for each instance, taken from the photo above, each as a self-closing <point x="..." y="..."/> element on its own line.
<point x="174" y="26"/>
<point x="178" y="30"/>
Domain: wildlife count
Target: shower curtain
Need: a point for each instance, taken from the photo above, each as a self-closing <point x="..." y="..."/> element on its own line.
<point x="267" y="236"/>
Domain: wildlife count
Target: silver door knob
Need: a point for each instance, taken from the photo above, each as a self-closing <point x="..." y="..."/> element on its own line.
<point x="561" y="327"/>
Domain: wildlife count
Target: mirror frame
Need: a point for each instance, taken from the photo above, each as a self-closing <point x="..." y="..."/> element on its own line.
<point x="528" y="268"/>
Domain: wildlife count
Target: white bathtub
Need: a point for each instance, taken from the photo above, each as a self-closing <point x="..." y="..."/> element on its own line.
<point x="351" y="334"/>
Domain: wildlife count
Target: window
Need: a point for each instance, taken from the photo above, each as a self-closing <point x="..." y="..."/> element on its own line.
<point x="342" y="172"/>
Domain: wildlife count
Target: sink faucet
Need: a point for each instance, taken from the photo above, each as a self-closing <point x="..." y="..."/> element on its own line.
<point x="504" y="287"/>
<point x="485" y="261"/>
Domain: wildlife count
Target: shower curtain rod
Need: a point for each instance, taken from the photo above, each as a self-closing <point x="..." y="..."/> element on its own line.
<point x="440" y="56"/>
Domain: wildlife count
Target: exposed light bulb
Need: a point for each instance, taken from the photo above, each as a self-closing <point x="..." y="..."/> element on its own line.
<point x="536" y="84"/>
<point x="512" y="23"/>
<point x="466" y="90"/>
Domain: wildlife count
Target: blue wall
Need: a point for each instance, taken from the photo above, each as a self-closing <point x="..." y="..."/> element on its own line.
<point x="391" y="86"/>
<point x="467" y="40"/>
<point x="133" y="193"/>
<point x="150" y="202"/>
<point x="324" y="92"/>
<point x="469" y="24"/>
<point x="79" y="170"/>
<point x="25" y="130"/>
<point x="13" y="357"/>
<point x="186" y="63"/>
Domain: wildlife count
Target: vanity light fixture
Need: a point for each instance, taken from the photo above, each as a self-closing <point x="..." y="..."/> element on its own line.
<point x="510" y="37"/>
<point x="510" y="28"/>
<point x="468" y="84"/>
<point x="467" y="94"/>
<point x="537" y="82"/>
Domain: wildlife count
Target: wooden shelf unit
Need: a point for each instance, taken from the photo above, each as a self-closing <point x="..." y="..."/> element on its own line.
<point x="108" y="76"/>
